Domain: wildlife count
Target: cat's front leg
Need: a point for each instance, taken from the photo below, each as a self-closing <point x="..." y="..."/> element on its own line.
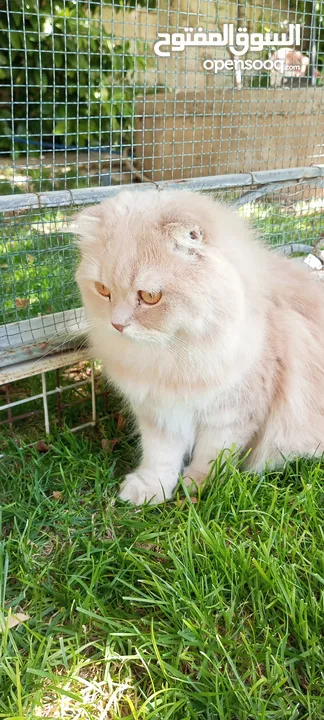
<point x="156" y="477"/>
<point x="210" y="442"/>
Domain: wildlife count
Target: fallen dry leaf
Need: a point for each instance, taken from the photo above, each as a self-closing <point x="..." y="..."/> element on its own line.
<point x="121" y="422"/>
<point x="108" y="445"/>
<point x="57" y="494"/>
<point x="21" y="303"/>
<point x="16" y="619"/>
<point x="42" y="447"/>
<point x="47" y="549"/>
<point x="182" y="501"/>
<point x="113" y="442"/>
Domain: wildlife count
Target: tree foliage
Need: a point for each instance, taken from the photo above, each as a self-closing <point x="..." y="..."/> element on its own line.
<point x="65" y="81"/>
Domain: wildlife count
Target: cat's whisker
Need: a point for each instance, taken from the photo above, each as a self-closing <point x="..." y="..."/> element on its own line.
<point x="193" y="355"/>
<point x="69" y="338"/>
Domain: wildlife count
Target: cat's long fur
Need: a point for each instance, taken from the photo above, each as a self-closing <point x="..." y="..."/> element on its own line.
<point x="231" y="355"/>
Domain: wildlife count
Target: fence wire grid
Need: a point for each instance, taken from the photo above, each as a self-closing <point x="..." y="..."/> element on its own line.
<point x="88" y="107"/>
<point x="87" y="102"/>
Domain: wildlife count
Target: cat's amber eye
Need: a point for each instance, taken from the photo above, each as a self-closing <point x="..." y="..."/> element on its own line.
<point x="102" y="290"/>
<point x="150" y="298"/>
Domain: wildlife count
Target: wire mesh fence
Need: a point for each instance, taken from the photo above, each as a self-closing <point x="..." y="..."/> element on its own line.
<point x="86" y="101"/>
<point x="88" y="106"/>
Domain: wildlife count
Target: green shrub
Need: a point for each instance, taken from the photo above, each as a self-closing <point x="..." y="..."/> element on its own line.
<point x="73" y="85"/>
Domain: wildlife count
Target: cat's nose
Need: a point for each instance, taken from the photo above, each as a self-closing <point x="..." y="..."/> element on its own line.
<point x="118" y="327"/>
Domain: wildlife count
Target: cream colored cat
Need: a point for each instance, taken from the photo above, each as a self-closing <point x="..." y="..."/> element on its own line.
<point x="214" y="340"/>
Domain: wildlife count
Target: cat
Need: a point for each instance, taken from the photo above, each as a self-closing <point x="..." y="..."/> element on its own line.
<point x="293" y="64"/>
<point x="215" y="341"/>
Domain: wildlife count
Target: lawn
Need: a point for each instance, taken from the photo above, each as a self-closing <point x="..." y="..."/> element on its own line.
<point x="211" y="609"/>
<point x="37" y="265"/>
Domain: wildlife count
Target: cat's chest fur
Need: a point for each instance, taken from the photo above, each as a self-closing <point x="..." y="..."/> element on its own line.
<point x="171" y="394"/>
<point x="143" y="369"/>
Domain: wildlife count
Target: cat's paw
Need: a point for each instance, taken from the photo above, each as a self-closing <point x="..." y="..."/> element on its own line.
<point x="192" y="478"/>
<point x="144" y="486"/>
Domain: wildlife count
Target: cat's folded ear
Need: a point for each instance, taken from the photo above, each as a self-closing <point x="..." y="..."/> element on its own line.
<point x="86" y="224"/>
<point x="187" y="239"/>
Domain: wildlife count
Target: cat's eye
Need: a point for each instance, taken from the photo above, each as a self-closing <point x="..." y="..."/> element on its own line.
<point x="102" y="290"/>
<point x="150" y="298"/>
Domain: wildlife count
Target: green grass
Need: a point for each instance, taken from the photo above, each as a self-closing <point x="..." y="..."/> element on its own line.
<point x="211" y="610"/>
<point x="37" y="265"/>
<point x="278" y="227"/>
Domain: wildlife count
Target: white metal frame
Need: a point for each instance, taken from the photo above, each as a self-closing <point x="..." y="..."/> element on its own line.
<point x="36" y="367"/>
<point x="62" y="198"/>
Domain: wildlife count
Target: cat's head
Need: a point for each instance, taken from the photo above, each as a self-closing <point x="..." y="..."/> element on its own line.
<point x="152" y="265"/>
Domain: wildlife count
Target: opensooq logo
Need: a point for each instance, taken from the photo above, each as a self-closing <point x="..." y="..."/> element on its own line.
<point x="244" y="41"/>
